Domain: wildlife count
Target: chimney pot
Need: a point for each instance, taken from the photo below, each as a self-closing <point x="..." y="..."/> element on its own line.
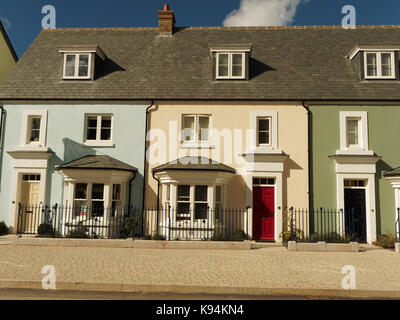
<point x="166" y="7"/>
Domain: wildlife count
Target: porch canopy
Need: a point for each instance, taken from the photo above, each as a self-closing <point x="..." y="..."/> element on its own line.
<point x="192" y="170"/>
<point x="96" y="180"/>
<point x="99" y="162"/>
<point x="193" y="180"/>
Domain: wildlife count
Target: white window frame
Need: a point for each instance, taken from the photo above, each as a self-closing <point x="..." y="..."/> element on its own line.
<point x="359" y="134"/>
<point x="230" y="59"/>
<point x="36" y="145"/>
<point x="76" y="73"/>
<point x="196" y="128"/>
<point x="258" y="131"/>
<point x="379" y="65"/>
<point x="98" y="141"/>
<point x="362" y="146"/>
<point x="273" y="139"/>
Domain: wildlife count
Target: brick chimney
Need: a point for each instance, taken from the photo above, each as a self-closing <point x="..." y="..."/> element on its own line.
<point x="166" y="21"/>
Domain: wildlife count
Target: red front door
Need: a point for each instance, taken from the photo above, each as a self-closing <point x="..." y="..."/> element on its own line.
<point x="264" y="213"/>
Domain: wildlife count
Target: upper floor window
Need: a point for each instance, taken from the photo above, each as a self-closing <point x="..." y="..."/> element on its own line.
<point x="195" y="128"/>
<point x="353" y="132"/>
<point x="264" y="125"/>
<point x="263" y="131"/>
<point x="34" y="129"/>
<point x="379" y="65"/>
<point x="98" y="129"/>
<point x="77" y="66"/>
<point x="230" y="65"/>
<point x="34" y="123"/>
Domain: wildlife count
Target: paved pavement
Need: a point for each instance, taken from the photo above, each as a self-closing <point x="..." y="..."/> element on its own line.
<point x="377" y="270"/>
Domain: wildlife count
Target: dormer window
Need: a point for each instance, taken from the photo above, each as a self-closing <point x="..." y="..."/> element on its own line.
<point x="375" y="62"/>
<point x="230" y="65"/>
<point x="77" y="66"/>
<point x="79" y="62"/>
<point x="379" y="65"/>
<point x="230" y="62"/>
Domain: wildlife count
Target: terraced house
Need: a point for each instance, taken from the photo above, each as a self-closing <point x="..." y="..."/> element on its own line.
<point x="239" y="126"/>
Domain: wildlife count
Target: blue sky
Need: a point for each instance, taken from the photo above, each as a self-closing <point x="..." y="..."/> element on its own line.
<point x="23" y="17"/>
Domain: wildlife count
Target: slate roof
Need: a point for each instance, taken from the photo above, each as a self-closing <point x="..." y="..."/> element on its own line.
<point x="101" y="162"/>
<point x="288" y="63"/>
<point x="194" y="163"/>
<point x="392" y="173"/>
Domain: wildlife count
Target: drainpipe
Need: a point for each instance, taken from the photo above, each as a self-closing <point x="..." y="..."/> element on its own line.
<point x="145" y="149"/>
<point x="158" y="199"/>
<point x="309" y="154"/>
<point x="130" y="190"/>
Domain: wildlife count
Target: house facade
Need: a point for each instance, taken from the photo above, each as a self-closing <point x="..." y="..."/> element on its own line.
<point x="69" y="140"/>
<point x="206" y="126"/>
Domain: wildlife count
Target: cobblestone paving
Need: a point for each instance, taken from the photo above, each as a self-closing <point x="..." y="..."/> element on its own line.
<point x="273" y="267"/>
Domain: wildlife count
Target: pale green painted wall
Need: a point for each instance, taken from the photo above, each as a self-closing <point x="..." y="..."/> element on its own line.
<point x="65" y="132"/>
<point x="384" y="140"/>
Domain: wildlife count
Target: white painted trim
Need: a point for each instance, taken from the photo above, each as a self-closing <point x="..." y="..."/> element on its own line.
<point x="76" y="76"/>
<point x="278" y="199"/>
<point x="41" y="144"/>
<point x="98" y="142"/>
<point x="379" y="65"/>
<point x="196" y="143"/>
<point x="356" y="50"/>
<point x="16" y="190"/>
<point x="362" y="148"/>
<point x="370" y="204"/>
<point x="273" y="115"/>
<point x="230" y="59"/>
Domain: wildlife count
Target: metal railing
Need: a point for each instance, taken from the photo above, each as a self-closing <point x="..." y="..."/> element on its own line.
<point x="397" y="226"/>
<point x="329" y="225"/>
<point x="129" y="222"/>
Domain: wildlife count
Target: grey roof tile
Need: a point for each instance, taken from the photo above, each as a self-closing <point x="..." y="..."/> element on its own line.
<point x="288" y="63"/>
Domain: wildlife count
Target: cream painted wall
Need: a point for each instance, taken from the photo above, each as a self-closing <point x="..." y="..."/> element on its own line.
<point x="6" y="58"/>
<point x="292" y="139"/>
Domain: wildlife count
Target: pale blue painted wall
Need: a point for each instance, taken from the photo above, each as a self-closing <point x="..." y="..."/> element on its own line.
<point x="65" y="132"/>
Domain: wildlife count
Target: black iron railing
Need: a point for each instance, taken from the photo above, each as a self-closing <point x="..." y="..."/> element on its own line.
<point x="330" y="225"/>
<point x="397" y="226"/>
<point x="129" y="222"/>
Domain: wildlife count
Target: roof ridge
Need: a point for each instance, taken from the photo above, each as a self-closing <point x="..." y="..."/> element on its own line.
<point x="225" y="28"/>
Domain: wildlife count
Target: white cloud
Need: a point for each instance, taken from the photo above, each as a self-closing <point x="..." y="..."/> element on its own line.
<point x="263" y="13"/>
<point x="6" y="23"/>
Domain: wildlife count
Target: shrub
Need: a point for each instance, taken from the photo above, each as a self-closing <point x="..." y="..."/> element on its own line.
<point x="158" y="237"/>
<point x="45" y="229"/>
<point x="129" y="227"/>
<point x="239" y="235"/>
<point x="386" y="241"/>
<point x="285" y="235"/>
<point x="147" y="237"/>
<point x="4" y="229"/>
<point x="79" y="232"/>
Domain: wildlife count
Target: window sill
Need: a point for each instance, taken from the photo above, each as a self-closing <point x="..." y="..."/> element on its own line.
<point x="196" y="145"/>
<point x="33" y="147"/>
<point x="98" y="144"/>
<point x="354" y="151"/>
